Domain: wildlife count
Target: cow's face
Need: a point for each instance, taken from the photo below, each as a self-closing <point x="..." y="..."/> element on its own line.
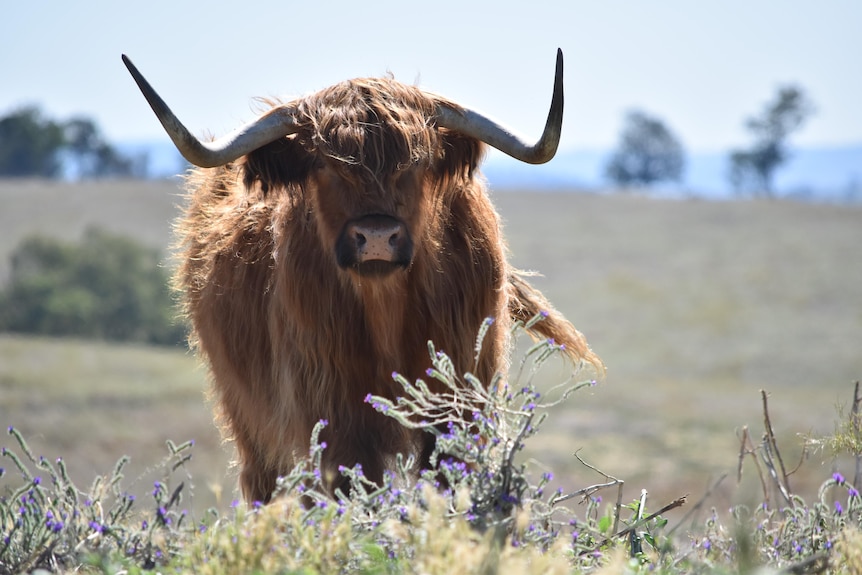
<point x="371" y="218"/>
<point x="370" y="226"/>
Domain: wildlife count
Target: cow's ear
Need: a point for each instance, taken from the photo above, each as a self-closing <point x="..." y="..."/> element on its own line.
<point x="460" y="155"/>
<point x="277" y="164"/>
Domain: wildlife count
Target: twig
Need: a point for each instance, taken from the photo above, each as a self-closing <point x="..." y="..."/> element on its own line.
<point x="854" y="423"/>
<point x="586" y="492"/>
<point x="767" y="424"/>
<point x="678" y="502"/>
<point x="742" y="453"/>
<point x="802" y="457"/>
<point x="614" y="481"/>
<point x="746" y="447"/>
<point x="766" y="455"/>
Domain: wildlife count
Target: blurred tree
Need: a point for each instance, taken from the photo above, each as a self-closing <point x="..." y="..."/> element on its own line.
<point x="30" y="145"/>
<point x="107" y="287"/>
<point x="752" y="170"/>
<point x="648" y="153"/>
<point x="92" y="155"/>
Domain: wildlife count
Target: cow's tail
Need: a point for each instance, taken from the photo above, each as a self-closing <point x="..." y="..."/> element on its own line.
<point x="525" y="302"/>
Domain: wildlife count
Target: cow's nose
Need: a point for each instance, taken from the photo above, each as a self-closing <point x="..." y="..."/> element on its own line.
<point x="374" y="238"/>
<point x="376" y="241"/>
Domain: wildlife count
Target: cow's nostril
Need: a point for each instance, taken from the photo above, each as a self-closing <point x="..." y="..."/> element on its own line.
<point x="393" y="239"/>
<point x="360" y="240"/>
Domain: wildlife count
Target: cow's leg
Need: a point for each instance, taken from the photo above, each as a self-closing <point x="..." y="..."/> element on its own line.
<point x="367" y="447"/>
<point x="429" y="444"/>
<point x="257" y="480"/>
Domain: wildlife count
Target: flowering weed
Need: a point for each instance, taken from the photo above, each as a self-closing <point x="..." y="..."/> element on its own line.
<point x="480" y="509"/>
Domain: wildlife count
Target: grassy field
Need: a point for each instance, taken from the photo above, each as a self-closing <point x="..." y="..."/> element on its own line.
<point x="695" y="306"/>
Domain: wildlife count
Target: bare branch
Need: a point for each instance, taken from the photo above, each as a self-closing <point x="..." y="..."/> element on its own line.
<point x="678" y="502"/>
<point x="854" y="423"/>
<point x="773" y="443"/>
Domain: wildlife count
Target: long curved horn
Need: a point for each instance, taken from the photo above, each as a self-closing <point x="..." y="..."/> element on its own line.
<point x="275" y="124"/>
<point x="471" y="123"/>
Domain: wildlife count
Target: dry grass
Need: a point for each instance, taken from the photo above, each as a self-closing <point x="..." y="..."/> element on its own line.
<point x="694" y="306"/>
<point x="92" y="402"/>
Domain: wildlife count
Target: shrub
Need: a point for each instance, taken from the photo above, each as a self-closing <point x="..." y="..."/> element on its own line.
<point x="106" y="287"/>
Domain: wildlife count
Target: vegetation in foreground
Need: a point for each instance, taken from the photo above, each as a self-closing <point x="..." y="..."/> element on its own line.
<point x="494" y="515"/>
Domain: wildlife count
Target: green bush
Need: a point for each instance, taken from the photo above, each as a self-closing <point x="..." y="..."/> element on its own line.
<point x="106" y="287"/>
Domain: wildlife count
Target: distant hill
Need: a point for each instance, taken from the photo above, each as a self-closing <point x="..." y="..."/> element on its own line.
<point x="823" y="173"/>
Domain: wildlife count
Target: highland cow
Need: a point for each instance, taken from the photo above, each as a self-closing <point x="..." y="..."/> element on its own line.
<point x="324" y="244"/>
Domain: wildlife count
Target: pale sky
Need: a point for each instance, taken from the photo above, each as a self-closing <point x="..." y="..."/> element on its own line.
<point x="701" y="66"/>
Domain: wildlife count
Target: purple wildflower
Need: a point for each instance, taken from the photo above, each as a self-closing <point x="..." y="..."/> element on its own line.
<point x="839" y="479"/>
<point x="838" y="509"/>
<point x="852" y="492"/>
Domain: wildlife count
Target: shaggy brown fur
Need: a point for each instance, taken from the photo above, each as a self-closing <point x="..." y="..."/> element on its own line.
<point x="291" y="338"/>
